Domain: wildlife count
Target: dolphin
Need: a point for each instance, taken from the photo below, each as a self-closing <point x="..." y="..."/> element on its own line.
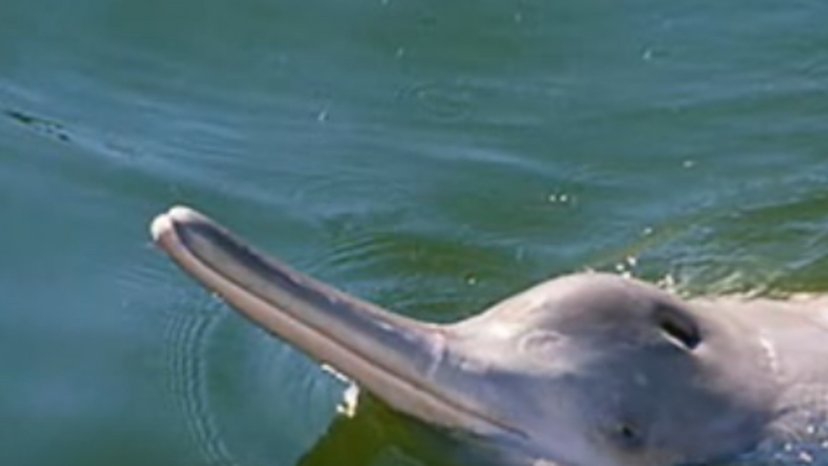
<point x="587" y="369"/>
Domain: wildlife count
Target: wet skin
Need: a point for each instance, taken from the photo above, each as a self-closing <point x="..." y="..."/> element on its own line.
<point x="583" y="370"/>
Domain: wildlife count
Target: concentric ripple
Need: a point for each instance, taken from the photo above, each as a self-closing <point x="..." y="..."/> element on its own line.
<point x="188" y="335"/>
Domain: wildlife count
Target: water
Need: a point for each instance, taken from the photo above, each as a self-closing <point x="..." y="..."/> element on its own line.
<point x="430" y="156"/>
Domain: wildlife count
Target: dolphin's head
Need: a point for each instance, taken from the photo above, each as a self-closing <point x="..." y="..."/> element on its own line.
<point x="584" y="370"/>
<point x="595" y="369"/>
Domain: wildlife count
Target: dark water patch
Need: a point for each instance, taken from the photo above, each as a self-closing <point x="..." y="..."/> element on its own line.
<point x="42" y="126"/>
<point x="109" y="146"/>
<point x="387" y="438"/>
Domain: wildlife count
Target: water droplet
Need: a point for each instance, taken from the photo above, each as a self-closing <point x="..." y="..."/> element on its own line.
<point x="350" y="400"/>
<point x="559" y="198"/>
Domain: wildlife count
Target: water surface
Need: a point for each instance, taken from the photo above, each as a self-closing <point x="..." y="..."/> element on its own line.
<point x="430" y="156"/>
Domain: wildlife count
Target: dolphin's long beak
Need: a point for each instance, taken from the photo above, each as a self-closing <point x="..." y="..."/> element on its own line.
<point x="396" y="358"/>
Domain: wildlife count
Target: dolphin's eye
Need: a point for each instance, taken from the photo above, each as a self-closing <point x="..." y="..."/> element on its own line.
<point x="677" y="327"/>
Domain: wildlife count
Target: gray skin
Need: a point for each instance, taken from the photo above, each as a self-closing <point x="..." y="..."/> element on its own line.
<point x="584" y="370"/>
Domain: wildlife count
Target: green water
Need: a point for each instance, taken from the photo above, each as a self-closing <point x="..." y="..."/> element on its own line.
<point x="432" y="156"/>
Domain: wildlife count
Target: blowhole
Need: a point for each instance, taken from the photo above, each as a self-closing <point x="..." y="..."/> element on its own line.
<point x="679" y="328"/>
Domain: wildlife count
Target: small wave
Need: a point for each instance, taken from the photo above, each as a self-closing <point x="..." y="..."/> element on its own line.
<point x="504" y="103"/>
<point x="188" y="335"/>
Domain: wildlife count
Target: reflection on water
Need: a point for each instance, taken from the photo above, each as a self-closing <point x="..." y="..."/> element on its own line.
<point x="430" y="156"/>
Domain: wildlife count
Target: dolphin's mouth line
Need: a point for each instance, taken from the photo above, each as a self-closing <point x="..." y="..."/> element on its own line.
<point x="314" y="339"/>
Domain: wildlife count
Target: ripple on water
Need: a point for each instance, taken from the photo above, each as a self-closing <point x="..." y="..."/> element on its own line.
<point x="394" y="262"/>
<point x="504" y="103"/>
<point x="797" y="444"/>
<point x="443" y="100"/>
<point x="188" y="335"/>
<point x="245" y="397"/>
<point x="90" y="140"/>
<point x="40" y="125"/>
